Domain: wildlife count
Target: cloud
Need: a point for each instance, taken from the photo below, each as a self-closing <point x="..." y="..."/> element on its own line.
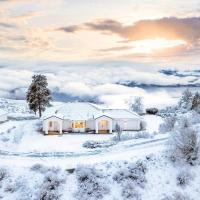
<point x="7" y="25"/>
<point x="119" y="48"/>
<point x="187" y="29"/>
<point x="90" y="79"/>
<point x="70" y="29"/>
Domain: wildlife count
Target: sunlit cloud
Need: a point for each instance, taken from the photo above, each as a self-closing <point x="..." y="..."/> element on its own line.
<point x="55" y="30"/>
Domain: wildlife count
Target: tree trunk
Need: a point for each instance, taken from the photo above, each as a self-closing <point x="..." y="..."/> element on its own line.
<point x="40" y="112"/>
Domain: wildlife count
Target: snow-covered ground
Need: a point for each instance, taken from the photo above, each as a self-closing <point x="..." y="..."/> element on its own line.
<point x="31" y="163"/>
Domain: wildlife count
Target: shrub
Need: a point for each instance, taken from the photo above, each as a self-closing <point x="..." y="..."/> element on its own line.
<point x="39" y="168"/>
<point x="50" y="187"/>
<point x="168" y="124"/>
<point x="10" y="188"/>
<point x="183" y="178"/>
<point x="43" y="169"/>
<point x="142" y="134"/>
<point x="96" y="144"/>
<point x="91" y="184"/>
<point x="177" y="196"/>
<point x="185" y="145"/>
<point x="134" y="172"/>
<point x="136" y="135"/>
<point x="3" y="173"/>
<point x="129" y="191"/>
<point x="152" y="111"/>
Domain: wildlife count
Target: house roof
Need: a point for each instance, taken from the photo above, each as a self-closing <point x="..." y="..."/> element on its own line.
<point x="120" y="113"/>
<point x="85" y="111"/>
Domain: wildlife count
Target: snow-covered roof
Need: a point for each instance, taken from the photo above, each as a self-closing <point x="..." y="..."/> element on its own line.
<point x="2" y="112"/>
<point x="85" y="111"/>
<point x="120" y="113"/>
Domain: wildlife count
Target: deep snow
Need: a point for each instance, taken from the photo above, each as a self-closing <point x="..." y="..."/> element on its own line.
<point x="30" y="159"/>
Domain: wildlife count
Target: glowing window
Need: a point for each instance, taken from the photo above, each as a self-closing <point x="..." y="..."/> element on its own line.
<point x="79" y="124"/>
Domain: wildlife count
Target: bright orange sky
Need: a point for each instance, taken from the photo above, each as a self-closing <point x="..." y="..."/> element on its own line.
<point x="68" y="30"/>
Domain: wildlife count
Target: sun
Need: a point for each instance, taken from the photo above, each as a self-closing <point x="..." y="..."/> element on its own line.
<point x="149" y="46"/>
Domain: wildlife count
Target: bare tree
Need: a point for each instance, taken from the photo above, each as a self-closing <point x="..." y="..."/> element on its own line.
<point x="136" y="105"/>
<point x="119" y="130"/>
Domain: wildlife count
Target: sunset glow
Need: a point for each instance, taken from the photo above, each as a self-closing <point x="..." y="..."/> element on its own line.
<point x="148" y="46"/>
<point x="70" y="31"/>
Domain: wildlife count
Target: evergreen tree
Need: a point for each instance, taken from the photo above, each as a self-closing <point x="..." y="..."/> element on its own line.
<point x="185" y="102"/>
<point x="196" y="102"/>
<point x="38" y="95"/>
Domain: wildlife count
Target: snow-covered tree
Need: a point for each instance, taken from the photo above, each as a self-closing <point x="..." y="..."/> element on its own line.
<point x="136" y="105"/>
<point x="184" y="143"/>
<point x="38" y="95"/>
<point x="168" y="124"/>
<point x="118" y="129"/>
<point x="196" y="102"/>
<point x="185" y="102"/>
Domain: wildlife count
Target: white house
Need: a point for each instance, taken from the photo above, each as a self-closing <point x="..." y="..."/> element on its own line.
<point x="3" y="116"/>
<point x="86" y="117"/>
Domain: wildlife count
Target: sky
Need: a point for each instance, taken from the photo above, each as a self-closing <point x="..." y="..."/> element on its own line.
<point x="86" y="47"/>
<point x="75" y="30"/>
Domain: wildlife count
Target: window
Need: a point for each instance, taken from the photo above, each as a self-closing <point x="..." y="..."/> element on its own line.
<point x="79" y="124"/>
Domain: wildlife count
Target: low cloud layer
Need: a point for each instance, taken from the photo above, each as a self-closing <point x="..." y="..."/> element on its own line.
<point x="90" y="81"/>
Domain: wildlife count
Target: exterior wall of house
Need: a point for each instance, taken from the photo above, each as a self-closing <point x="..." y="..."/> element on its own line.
<point x="60" y="125"/>
<point x="3" y="118"/>
<point x="90" y="124"/>
<point x="52" y="124"/>
<point x="128" y="124"/>
<point x="66" y="125"/>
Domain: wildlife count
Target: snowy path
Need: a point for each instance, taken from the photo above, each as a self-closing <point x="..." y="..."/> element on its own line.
<point x="74" y="154"/>
<point x="69" y="160"/>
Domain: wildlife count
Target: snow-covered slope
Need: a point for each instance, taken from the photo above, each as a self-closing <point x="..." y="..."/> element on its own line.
<point x="34" y="166"/>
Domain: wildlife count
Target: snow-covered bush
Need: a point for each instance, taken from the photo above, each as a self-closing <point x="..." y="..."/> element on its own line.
<point x="168" y="111"/>
<point x="184" y="144"/>
<point x="193" y="117"/>
<point x="168" y="124"/>
<point x="11" y="186"/>
<point x="183" y="178"/>
<point x="39" y="168"/>
<point x="19" y="186"/>
<point x="91" y="144"/>
<point x="130" y="136"/>
<point x="3" y="173"/>
<point x="143" y="134"/>
<point x="129" y="191"/>
<point x="134" y="172"/>
<point x="50" y="188"/>
<point x="177" y="196"/>
<point x="185" y="102"/>
<point x="43" y="169"/>
<point x="91" y="184"/>
<point x="196" y="102"/>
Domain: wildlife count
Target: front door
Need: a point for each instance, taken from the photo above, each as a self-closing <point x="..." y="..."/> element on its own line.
<point x="53" y="126"/>
<point x="103" y="125"/>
